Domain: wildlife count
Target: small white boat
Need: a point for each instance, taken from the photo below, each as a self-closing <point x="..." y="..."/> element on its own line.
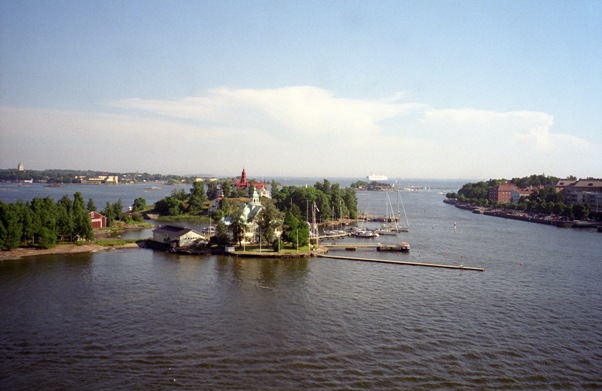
<point x="365" y="234"/>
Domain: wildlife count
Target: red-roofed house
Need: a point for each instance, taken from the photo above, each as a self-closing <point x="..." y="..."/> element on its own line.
<point x="98" y="220"/>
<point x="243" y="184"/>
<point x="502" y="193"/>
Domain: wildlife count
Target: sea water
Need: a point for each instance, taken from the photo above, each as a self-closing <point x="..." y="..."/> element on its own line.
<point x="141" y="320"/>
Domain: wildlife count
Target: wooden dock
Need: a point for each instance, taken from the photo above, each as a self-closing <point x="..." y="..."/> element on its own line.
<point x="460" y="267"/>
<point x="350" y="246"/>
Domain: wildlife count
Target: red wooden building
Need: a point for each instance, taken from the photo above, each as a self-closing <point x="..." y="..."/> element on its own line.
<point x="98" y="220"/>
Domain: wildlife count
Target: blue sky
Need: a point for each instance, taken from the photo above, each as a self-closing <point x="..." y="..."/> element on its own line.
<point x="410" y="89"/>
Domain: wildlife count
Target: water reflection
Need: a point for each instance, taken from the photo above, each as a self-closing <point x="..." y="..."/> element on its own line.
<point x="263" y="273"/>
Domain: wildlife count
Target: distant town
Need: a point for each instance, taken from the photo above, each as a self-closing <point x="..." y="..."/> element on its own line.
<point x="536" y="198"/>
<point x="21" y="174"/>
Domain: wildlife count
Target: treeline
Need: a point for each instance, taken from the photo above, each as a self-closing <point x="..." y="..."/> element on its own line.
<point x="72" y="176"/>
<point x="42" y="222"/>
<point x="331" y="201"/>
<point x="545" y="200"/>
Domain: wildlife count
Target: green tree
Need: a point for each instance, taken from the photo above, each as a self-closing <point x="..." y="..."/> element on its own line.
<point x="45" y="211"/>
<point x="350" y="200"/>
<point x="65" y="224"/>
<point x="109" y="213"/>
<point x="226" y="188"/>
<point x="274" y="188"/>
<point x="581" y="211"/>
<point x="221" y="234"/>
<point x="139" y="204"/>
<point x="169" y="206"/>
<point x="295" y="232"/>
<point x="217" y="215"/>
<point x="91" y="206"/>
<point x="118" y="210"/>
<point x="81" y="218"/>
<point x="270" y="219"/>
<point x="11" y="227"/>
<point x="197" y="197"/>
<point x="212" y="190"/>
<point x="237" y="227"/>
<point x="28" y="222"/>
<point x="225" y="207"/>
<point x="324" y="211"/>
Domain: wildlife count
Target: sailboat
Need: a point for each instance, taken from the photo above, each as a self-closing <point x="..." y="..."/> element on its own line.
<point x="391" y="225"/>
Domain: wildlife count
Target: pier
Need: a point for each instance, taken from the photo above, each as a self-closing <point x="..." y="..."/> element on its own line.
<point x="460" y="267"/>
<point x="350" y="246"/>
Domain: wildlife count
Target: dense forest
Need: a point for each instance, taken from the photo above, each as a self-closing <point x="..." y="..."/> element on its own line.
<point x="43" y="222"/>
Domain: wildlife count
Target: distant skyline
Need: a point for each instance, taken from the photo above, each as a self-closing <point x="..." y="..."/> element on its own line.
<point x="408" y="89"/>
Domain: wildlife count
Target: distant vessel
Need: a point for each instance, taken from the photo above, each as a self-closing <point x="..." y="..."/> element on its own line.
<point x="376" y="177"/>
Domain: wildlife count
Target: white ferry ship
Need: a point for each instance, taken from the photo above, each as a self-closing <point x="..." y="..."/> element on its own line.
<point x="376" y="177"/>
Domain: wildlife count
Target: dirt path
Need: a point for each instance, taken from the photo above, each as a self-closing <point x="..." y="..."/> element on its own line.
<point x="18" y="253"/>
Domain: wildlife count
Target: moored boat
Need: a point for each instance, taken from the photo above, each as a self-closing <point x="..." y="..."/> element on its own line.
<point x="365" y="234"/>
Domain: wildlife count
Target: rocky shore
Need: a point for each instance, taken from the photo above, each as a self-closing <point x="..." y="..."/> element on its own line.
<point x="522" y="216"/>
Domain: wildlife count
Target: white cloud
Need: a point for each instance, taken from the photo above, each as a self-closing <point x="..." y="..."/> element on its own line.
<point x="294" y="131"/>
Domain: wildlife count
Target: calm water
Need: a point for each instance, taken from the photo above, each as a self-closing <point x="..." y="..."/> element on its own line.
<point x="136" y="319"/>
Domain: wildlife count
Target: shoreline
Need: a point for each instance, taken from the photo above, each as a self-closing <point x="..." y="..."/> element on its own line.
<point x="61" y="249"/>
<point x="522" y="216"/>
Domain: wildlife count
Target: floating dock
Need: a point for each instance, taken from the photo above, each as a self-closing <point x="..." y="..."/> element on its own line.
<point x="460" y="267"/>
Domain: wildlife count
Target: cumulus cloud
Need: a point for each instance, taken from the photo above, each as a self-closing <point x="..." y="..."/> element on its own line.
<point x="291" y="131"/>
<point x="291" y="112"/>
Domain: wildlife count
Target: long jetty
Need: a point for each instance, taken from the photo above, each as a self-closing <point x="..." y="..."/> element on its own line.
<point x="461" y="267"/>
<point x="350" y="246"/>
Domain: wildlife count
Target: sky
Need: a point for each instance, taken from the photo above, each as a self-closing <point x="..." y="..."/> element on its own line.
<point x="409" y="89"/>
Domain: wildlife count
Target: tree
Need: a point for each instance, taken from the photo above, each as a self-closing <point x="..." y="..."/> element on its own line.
<point x="139" y="204"/>
<point x="81" y="219"/>
<point x="581" y="211"/>
<point x="65" y="224"/>
<point x="109" y="213"/>
<point x="169" y="205"/>
<point x="28" y="222"/>
<point x="197" y="197"/>
<point x="226" y="188"/>
<point x="118" y="210"/>
<point x="323" y="204"/>
<point x="212" y="190"/>
<point x="295" y="232"/>
<point x="45" y="211"/>
<point x="350" y="200"/>
<point x="225" y="207"/>
<point x="237" y="226"/>
<point x="221" y="234"/>
<point x="11" y="227"/>
<point x="270" y="219"/>
<point x="274" y="188"/>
